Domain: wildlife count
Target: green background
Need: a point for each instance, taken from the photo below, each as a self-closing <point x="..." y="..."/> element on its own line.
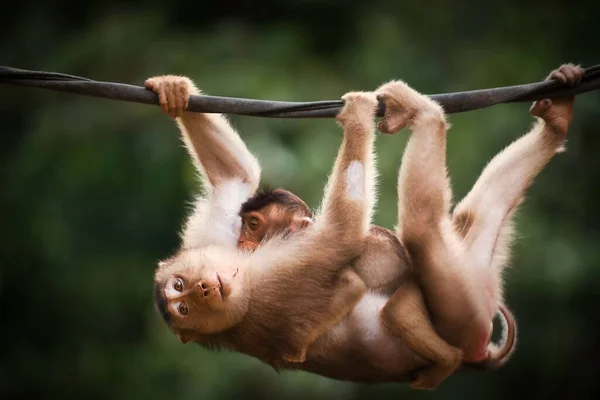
<point x="95" y="191"/>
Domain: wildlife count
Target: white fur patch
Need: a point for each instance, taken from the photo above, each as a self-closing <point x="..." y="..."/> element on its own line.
<point x="355" y="180"/>
<point x="367" y="313"/>
<point x="175" y="307"/>
<point x="170" y="291"/>
<point x="216" y="219"/>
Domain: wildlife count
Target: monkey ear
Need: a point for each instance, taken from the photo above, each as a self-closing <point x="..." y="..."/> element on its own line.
<point x="185" y="337"/>
<point x="301" y="223"/>
<point x="164" y="263"/>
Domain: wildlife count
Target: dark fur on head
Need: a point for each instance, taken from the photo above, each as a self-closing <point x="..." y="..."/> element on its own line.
<point x="284" y="198"/>
<point x="161" y="303"/>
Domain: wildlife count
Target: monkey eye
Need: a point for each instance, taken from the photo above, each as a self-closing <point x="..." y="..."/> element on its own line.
<point x="183" y="309"/>
<point x="178" y="285"/>
<point x="253" y="224"/>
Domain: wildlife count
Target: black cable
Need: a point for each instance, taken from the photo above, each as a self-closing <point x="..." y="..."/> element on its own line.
<point x="452" y="102"/>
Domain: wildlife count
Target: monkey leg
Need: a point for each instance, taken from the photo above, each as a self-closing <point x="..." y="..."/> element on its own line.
<point x="483" y="217"/>
<point x="347" y="291"/>
<point x="405" y="314"/>
<point x="454" y="297"/>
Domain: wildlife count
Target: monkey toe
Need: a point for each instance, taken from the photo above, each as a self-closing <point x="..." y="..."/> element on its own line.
<point x="150" y="83"/>
<point x="392" y="122"/>
<point x="558" y="76"/>
<point x="540" y="108"/>
<point x="569" y="74"/>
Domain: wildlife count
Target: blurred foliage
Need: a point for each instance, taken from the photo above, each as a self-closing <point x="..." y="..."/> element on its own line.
<point x="94" y="191"/>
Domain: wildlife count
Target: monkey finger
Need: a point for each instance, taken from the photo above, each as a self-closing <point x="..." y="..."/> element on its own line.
<point x="558" y="76"/>
<point x="155" y="86"/>
<point x="539" y="108"/>
<point x="182" y="100"/>
<point x="162" y="101"/>
<point x="568" y="72"/>
<point x="579" y="72"/>
<point x="172" y="107"/>
<point x="149" y="83"/>
<point x="178" y="109"/>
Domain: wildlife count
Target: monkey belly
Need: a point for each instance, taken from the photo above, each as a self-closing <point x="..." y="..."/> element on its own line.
<point x="361" y="349"/>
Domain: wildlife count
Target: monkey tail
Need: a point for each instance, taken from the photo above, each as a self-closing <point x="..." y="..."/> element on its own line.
<point x="499" y="355"/>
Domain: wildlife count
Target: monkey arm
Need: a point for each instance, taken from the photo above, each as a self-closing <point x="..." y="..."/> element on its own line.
<point x="320" y="288"/>
<point x="229" y="172"/>
<point x="347" y="205"/>
<point x="217" y="150"/>
<point x="342" y="223"/>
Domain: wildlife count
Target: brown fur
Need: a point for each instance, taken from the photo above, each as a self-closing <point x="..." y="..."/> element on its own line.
<point x="286" y="287"/>
<point x="261" y="318"/>
<point x="406" y="313"/>
<point x="453" y="256"/>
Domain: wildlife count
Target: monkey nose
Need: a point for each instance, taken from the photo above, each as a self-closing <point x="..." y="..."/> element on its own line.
<point x="203" y="288"/>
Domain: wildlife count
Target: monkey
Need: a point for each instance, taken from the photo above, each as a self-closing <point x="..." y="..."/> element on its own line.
<point x="271" y="212"/>
<point x="361" y="347"/>
<point x="210" y="292"/>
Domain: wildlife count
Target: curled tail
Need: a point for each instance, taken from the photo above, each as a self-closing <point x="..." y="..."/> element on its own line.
<point x="499" y="355"/>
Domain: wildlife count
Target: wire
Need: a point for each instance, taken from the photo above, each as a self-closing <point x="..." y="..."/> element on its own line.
<point x="451" y="102"/>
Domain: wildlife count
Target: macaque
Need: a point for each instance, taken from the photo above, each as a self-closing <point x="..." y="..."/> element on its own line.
<point x="291" y="301"/>
<point x="274" y="302"/>
<point x="269" y="213"/>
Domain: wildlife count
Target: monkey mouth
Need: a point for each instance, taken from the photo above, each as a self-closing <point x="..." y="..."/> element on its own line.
<point x="220" y="286"/>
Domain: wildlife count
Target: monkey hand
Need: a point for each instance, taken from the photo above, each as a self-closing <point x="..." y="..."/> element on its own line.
<point x="359" y="109"/>
<point x="173" y="93"/>
<point x="558" y="112"/>
<point x="403" y="105"/>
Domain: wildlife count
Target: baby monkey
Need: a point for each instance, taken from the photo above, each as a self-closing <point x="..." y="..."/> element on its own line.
<point x="269" y="213"/>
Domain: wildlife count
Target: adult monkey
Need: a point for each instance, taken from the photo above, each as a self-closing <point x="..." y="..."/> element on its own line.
<point x="430" y="238"/>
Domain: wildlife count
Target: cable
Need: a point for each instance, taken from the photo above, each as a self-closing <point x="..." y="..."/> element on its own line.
<point x="451" y="102"/>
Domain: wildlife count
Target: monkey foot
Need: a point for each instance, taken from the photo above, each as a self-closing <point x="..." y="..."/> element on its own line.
<point x="569" y="74"/>
<point x="403" y="105"/>
<point x="558" y="112"/>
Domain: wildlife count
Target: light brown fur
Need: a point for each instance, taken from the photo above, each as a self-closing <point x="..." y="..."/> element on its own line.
<point x="276" y="295"/>
<point x="458" y="257"/>
<point x="405" y="314"/>
<point x="285" y="288"/>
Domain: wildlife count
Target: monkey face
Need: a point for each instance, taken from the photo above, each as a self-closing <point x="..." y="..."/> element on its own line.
<point x="254" y="228"/>
<point x="201" y="290"/>
<point x="272" y="220"/>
